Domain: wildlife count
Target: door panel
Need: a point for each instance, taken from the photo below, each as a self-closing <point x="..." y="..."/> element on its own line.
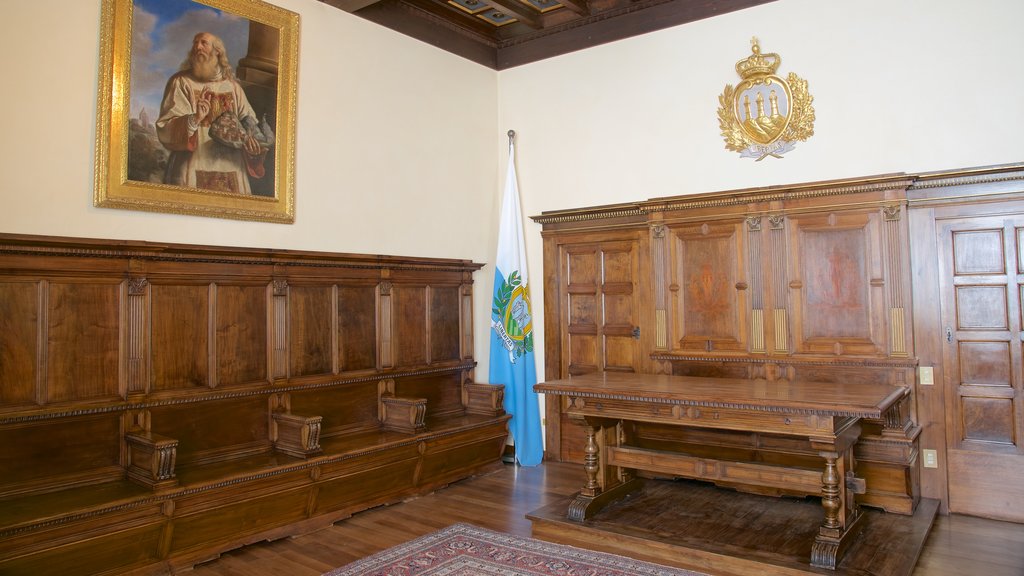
<point x="981" y="275"/>
<point x="598" y="321"/>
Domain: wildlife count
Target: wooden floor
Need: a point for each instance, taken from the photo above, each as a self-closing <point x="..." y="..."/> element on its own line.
<point x="957" y="545"/>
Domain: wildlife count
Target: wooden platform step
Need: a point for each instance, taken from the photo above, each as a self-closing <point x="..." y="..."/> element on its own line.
<point x="698" y="526"/>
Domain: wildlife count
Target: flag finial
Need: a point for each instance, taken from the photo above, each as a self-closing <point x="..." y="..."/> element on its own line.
<point x="511" y="136"/>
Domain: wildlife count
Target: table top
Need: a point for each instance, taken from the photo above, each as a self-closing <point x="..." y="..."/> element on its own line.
<point x="858" y="399"/>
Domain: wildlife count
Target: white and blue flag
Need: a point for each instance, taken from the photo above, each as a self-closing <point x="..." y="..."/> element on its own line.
<point x="511" y="356"/>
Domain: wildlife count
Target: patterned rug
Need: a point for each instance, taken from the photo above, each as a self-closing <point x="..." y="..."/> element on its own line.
<point x="465" y="550"/>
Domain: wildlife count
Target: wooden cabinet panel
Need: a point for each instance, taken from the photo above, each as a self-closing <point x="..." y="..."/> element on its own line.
<point x="83" y="341"/>
<point x="837" y="284"/>
<point x="19" y="328"/>
<point x="241" y="328"/>
<point x="709" y="283"/>
<point x="357" y="327"/>
<point x="180" y="336"/>
<point x="310" y="325"/>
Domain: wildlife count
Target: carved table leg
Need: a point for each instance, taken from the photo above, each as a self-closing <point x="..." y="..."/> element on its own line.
<point x="593" y="497"/>
<point x="842" y="516"/>
<point x="591" y="464"/>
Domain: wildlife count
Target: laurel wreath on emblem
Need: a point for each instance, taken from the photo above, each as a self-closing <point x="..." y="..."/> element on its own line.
<point x="501" y="302"/>
<point x="765" y="132"/>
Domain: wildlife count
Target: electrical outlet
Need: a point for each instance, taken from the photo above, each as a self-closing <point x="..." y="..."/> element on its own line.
<point x="926" y="375"/>
<point x="931" y="458"/>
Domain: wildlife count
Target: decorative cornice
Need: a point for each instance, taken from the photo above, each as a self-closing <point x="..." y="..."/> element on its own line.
<point x="266" y="260"/>
<point x="558" y="218"/>
<point x="726" y="199"/>
<point x="215" y="395"/>
<point x="965" y="179"/>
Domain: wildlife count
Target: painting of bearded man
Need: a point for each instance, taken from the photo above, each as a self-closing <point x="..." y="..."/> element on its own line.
<point x="207" y="124"/>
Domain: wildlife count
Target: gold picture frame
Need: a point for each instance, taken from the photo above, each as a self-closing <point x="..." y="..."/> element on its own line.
<point x="157" y="165"/>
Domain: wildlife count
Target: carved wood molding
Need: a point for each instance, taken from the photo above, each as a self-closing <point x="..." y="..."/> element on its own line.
<point x="791" y="360"/>
<point x="724" y="405"/>
<point x="312" y="464"/>
<point x="224" y="395"/>
<point x="52" y="246"/>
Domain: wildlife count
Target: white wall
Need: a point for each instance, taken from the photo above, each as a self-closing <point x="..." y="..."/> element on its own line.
<point x="395" y="148"/>
<point x="401" y="147"/>
<point x="898" y="86"/>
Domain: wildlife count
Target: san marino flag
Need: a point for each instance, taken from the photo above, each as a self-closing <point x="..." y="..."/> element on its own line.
<point x="512" y="360"/>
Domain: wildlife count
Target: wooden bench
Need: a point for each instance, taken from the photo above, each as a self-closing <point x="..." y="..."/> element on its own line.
<point x="161" y="404"/>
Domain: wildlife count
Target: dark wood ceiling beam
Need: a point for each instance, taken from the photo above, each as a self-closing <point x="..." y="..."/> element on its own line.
<point x="350" y="5"/>
<point x="518" y="11"/>
<point x="578" y="6"/>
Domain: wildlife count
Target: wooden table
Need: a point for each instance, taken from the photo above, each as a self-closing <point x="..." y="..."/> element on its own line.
<point x="827" y="415"/>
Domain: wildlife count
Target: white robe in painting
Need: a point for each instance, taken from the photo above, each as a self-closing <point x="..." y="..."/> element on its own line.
<point x="196" y="159"/>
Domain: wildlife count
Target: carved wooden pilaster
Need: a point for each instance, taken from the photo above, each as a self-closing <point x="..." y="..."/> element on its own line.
<point x="755" y="271"/>
<point x="280" y="330"/>
<point x="659" y="257"/>
<point x="780" y="287"/>
<point x="894" y="269"/>
<point x="466" y="316"/>
<point x="138" y="293"/>
<point x="386" y="342"/>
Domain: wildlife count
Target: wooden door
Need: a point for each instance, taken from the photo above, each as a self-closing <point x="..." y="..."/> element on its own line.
<point x="981" y="274"/>
<point x="599" y="317"/>
<point x="598" y="308"/>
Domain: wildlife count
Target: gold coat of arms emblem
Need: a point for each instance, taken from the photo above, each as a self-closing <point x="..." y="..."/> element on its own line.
<point x="765" y="115"/>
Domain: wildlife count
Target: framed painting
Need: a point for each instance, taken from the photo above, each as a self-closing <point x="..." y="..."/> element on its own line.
<point x="196" y="108"/>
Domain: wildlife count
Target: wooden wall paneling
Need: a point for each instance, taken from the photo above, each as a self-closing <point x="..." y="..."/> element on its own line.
<point x="928" y="348"/>
<point x="357" y="313"/>
<point x="837" y="278"/>
<point x="312" y="315"/>
<point x="211" y="431"/>
<point x="444" y="326"/>
<point x="410" y="304"/>
<point x="241" y="327"/>
<point x="180" y="335"/>
<point x="83" y="340"/>
<point x="710" y="287"/>
<point x="443" y="391"/>
<point x="20" y="370"/>
<point x="349" y="408"/>
<point x="71" y="451"/>
<point x="466" y="318"/>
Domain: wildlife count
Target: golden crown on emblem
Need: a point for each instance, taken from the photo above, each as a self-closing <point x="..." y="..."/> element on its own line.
<point x="758" y="64"/>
